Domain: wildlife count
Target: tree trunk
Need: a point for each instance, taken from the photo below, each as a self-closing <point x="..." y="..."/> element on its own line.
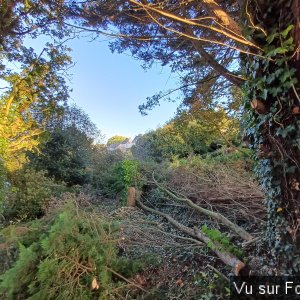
<point x="274" y="81"/>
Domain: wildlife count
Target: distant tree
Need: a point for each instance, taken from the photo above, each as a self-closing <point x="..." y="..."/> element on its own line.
<point x="67" y="153"/>
<point x="66" y="156"/>
<point x="73" y="116"/>
<point x="192" y="131"/>
<point x="116" y="139"/>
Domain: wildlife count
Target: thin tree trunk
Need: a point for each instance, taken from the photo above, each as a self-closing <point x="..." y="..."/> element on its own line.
<point x="227" y="257"/>
<point x="234" y="79"/>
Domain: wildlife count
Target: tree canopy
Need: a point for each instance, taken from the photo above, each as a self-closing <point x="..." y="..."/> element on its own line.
<point x="116" y="139"/>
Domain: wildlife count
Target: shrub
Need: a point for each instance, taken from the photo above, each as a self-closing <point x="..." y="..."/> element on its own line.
<point x="126" y="174"/>
<point x="104" y="163"/>
<point x="118" y="177"/>
<point x="73" y="257"/>
<point x="28" y="192"/>
<point x="66" y="156"/>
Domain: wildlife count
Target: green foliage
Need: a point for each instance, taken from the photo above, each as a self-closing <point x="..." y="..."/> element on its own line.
<point x="28" y="100"/>
<point x="66" y="156"/>
<point x="116" y="139"/>
<point x="276" y="132"/>
<point x="103" y="169"/>
<point x="73" y="117"/>
<point x="212" y="286"/>
<point x="197" y="131"/>
<point x="129" y="172"/>
<point x="27" y="194"/>
<point x="220" y="241"/>
<point x="69" y="254"/>
<point x="124" y="175"/>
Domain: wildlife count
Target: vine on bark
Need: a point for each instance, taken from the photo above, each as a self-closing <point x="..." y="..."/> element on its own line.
<point x="275" y="134"/>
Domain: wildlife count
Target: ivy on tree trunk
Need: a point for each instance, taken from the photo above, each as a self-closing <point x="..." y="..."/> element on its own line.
<point x="273" y="81"/>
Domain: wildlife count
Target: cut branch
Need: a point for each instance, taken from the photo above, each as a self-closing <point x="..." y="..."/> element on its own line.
<point x="222" y="17"/>
<point x="227" y="257"/>
<point x="217" y="216"/>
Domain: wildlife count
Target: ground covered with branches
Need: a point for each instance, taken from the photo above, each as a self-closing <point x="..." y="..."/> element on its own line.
<point x="89" y="244"/>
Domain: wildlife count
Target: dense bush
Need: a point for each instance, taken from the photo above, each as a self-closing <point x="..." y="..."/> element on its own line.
<point x="66" y="156"/>
<point x="120" y="175"/>
<point x="104" y="162"/>
<point x="72" y="257"/>
<point x="27" y="193"/>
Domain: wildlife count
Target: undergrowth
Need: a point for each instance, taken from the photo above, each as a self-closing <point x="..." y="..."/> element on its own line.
<point x="74" y="255"/>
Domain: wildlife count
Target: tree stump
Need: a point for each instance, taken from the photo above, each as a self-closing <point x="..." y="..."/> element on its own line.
<point x="133" y="195"/>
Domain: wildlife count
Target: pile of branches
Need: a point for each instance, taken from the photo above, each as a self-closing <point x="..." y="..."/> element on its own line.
<point x="230" y="191"/>
<point x="224" y="197"/>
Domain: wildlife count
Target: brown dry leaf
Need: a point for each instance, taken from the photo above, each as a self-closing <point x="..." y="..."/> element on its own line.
<point x="95" y="285"/>
<point x="140" y="279"/>
<point x="179" y="282"/>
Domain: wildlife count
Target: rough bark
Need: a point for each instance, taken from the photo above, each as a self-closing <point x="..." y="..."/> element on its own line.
<point x="222" y="17"/>
<point x="132" y="196"/>
<point x="296" y="34"/>
<point x="278" y="131"/>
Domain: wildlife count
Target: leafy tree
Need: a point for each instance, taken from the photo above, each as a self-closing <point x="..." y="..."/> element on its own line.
<point x="193" y="131"/>
<point x="73" y="116"/>
<point x="66" y="153"/>
<point x="116" y="139"/>
<point x="21" y="20"/>
<point x="103" y="166"/>
<point x="163" y="143"/>
<point x="28" y="101"/>
<point x="207" y="125"/>
<point x="66" y="156"/>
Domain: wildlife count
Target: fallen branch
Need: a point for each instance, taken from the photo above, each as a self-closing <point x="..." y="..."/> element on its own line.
<point x="218" y="272"/>
<point x="246" y="244"/>
<point x="227" y="257"/>
<point x="217" y="216"/>
<point x="125" y="279"/>
<point x="176" y="224"/>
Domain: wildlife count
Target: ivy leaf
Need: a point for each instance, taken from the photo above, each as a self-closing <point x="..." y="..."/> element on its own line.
<point x="286" y="31"/>
<point x="281" y="50"/>
<point x="285" y="131"/>
<point x="271" y="37"/>
<point x="287" y="74"/>
<point x="275" y="91"/>
<point x="264" y="94"/>
<point x="288" y="42"/>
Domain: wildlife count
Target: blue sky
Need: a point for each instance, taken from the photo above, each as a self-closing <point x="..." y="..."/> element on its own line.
<point x="109" y="87"/>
